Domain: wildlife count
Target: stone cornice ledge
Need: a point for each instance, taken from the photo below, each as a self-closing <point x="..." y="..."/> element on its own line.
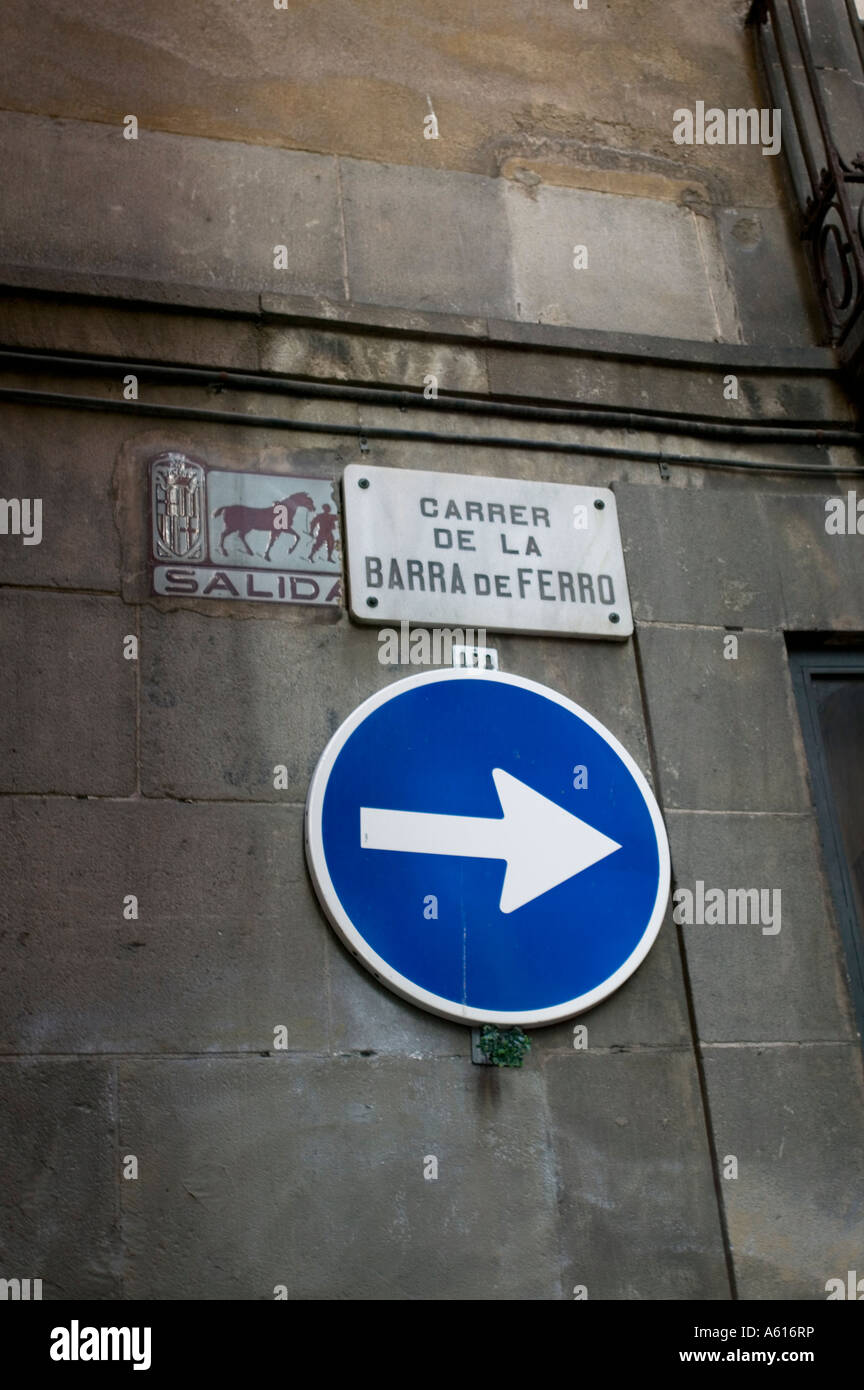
<point x="311" y="311"/>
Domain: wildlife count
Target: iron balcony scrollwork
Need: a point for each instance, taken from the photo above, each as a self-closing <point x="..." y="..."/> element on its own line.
<point x="829" y="181"/>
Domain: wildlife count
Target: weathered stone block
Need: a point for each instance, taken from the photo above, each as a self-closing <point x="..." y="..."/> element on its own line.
<point x="224" y="702"/>
<point x="227" y="946"/>
<point x="162" y="207"/>
<point x="698" y="555"/>
<point x="792" y="1116"/>
<point x="64" y="459"/>
<point x="676" y="290"/>
<point x="638" y="1211"/>
<point x="426" y="239"/>
<point x="772" y="287"/>
<point x="69" y="714"/>
<point x="309" y="1174"/>
<point x="726" y="731"/>
<point x="752" y="981"/>
<point x="820" y="576"/>
<point x="58" y="1198"/>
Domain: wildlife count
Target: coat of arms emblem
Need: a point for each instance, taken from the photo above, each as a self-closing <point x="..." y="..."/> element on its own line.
<point x="178" y="495"/>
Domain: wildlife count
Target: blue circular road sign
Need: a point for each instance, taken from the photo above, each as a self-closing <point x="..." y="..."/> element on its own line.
<point x="487" y="848"/>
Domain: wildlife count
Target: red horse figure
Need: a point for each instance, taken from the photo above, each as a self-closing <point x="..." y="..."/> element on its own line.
<point x="241" y="520"/>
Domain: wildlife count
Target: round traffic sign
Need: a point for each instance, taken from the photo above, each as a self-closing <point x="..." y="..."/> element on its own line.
<point x="487" y="848"/>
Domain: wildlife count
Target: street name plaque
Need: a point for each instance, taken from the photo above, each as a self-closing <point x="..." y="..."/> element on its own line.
<point x="446" y="549"/>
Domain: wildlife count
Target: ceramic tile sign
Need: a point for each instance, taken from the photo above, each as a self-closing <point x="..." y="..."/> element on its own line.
<point x="257" y="537"/>
<point x="444" y="549"/>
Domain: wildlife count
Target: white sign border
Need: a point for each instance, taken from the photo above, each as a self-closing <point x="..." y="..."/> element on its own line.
<point x="359" y="946"/>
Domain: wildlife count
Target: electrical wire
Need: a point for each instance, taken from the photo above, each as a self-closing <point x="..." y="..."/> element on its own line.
<point x="360" y="432"/>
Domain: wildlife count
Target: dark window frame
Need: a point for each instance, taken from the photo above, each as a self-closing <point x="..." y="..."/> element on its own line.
<point x="805" y="664"/>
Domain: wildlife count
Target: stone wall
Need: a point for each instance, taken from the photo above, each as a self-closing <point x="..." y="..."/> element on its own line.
<point x="154" y="1037"/>
<point x="604" y="1167"/>
<point x="303" y="127"/>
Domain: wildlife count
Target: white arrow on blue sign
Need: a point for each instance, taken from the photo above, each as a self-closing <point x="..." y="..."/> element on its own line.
<point x="458" y="857"/>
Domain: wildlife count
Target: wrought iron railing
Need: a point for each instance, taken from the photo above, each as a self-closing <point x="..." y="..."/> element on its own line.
<point x="812" y="58"/>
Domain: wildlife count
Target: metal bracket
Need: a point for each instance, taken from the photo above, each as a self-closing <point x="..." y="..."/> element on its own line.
<point x="481" y="658"/>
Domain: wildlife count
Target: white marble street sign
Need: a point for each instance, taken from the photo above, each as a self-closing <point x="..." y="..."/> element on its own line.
<point x="443" y="549"/>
